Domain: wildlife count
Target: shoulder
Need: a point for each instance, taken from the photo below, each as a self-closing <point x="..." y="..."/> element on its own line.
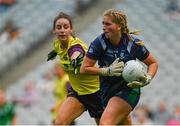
<point x="96" y="47"/>
<point x="137" y="40"/>
<point x="101" y="38"/>
<point x="100" y="41"/>
<point x="77" y="41"/>
<point x="56" y="43"/>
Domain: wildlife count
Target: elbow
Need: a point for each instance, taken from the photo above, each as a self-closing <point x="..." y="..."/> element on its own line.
<point x="154" y="68"/>
<point x="82" y="70"/>
<point x="157" y="66"/>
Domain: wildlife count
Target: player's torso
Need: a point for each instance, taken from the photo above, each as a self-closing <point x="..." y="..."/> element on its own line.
<point x="113" y="52"/>
<point x="81" y="83"/>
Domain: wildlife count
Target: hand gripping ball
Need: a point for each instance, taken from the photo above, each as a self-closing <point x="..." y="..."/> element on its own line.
<point x="133" y="69"/>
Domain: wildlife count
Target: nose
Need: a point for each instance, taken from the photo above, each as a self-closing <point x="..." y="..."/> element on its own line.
<point x="104" y="28"/>
<point x="62" y="30"/>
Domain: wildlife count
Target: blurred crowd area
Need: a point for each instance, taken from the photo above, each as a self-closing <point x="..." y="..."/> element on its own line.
<point x="26" y="25"/>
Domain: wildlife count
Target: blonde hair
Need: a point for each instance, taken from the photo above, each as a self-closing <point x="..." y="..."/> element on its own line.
<point x="120" y="18"/>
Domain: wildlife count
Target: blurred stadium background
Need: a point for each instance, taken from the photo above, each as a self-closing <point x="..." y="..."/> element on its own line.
<point x="23" y="59"/>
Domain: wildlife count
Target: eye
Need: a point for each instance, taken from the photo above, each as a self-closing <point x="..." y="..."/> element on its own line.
<point x="106" y="23"/>
<point x="58" y="27"/>
<point x="66" y="26"/>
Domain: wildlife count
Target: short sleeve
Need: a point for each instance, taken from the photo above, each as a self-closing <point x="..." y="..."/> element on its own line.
<point x="75" y="48"/>
<point x="141" y="52"/>
<point x="95" y="50"/>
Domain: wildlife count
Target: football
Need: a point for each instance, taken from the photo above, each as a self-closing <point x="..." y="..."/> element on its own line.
<point x="133" y="69"/>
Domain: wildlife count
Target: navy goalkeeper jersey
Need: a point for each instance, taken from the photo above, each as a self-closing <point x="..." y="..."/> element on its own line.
<point x="105" y="53"/>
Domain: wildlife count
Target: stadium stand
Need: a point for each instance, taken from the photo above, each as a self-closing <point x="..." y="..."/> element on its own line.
<point x="27" y="15"/>
<point x="160" y="34"/>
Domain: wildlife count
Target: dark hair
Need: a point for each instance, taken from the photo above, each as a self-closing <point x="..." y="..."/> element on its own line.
<point x="62" y="15"/>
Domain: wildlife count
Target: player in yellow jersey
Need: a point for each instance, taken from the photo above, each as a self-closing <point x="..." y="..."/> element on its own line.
<point x="84" y="93"/>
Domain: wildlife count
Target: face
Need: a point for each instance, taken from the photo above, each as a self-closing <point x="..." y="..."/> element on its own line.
<point x="111" y="29"/>
<point x="63" y="29"/>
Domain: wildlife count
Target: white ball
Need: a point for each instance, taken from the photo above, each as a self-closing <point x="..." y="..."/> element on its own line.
<point x="132" y="70"/>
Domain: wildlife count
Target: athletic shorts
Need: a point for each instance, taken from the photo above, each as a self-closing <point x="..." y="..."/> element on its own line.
<point x="130" y="95"/>
<point x="92" y="102"/>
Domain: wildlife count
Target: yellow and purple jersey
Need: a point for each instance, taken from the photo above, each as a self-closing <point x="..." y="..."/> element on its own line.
<point x="82" y="83"/>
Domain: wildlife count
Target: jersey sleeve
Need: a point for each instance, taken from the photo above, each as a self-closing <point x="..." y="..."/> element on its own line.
<point x="75" y="48"/>
<point x="141" y="51"/>
<point x="95" y="50"/>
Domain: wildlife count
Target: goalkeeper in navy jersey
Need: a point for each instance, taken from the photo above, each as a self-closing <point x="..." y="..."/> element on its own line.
<point x="114" y="47"/>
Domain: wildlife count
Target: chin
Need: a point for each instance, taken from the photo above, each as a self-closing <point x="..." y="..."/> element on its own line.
<point x="63" y="39"/>
<point x="107" y="36"/>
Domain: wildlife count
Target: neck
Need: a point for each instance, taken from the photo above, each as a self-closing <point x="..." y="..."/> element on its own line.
<point x="116" y="39"/>
<point x="64" y="44"/>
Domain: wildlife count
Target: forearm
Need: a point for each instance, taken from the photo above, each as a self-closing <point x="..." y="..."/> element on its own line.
<point x="152" y="65"/>
<point x="90" y="70"/>
<point x="115" y="69"/>
<point x="152" y="69"/>
<point x="88" y="66"/>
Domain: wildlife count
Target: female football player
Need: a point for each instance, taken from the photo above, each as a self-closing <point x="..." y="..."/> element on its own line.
<point x="114" y="47"/>
<point x="84" y="93"/>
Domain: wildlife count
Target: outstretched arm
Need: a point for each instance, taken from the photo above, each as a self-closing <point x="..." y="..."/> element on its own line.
<point x="115" y="69"/>
<point x="88" y="66"/>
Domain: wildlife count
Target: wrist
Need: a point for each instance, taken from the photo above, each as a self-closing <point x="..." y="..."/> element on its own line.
<point x="104" y="71"/>
<point x="148" y="79"/>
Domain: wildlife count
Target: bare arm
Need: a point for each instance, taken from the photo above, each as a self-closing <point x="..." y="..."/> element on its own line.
<point x="115" y="69"/>
<point x="88" y="66"/>
<point x="152" y="65"/>
<point x="145" y="80"/>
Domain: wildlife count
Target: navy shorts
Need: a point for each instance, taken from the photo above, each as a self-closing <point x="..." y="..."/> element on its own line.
<point x="92" y="102"/>
<point x="130" y="95"/>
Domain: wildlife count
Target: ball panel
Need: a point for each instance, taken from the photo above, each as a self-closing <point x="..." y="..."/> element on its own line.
<point x="133" y="69"/>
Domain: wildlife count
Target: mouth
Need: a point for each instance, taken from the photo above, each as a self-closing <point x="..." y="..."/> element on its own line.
<point x="62" y="36"/>
<point x="106" y="33"/>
